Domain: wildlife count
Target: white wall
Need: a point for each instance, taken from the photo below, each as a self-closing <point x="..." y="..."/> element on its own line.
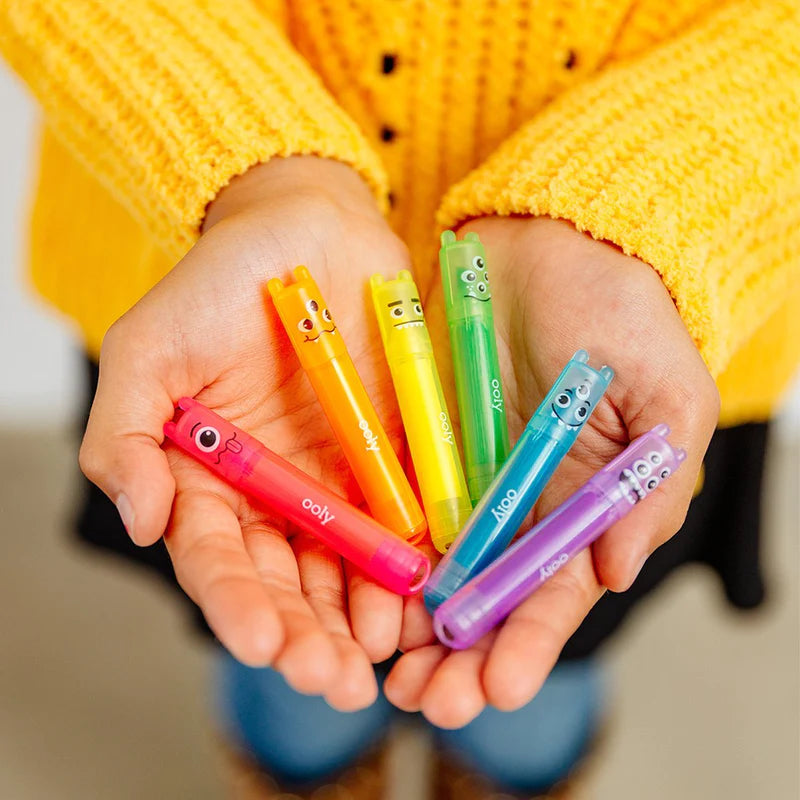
<point x="39" y="366"/>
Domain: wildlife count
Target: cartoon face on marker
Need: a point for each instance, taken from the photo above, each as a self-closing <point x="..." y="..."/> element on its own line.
<point x="653" y="461"/>
<point x="464" y="272"/>
<point x="307" y="318"/>
<point x="208" y="437"/>
<point x="399" y="312"/>
<point x="573" y="397"/>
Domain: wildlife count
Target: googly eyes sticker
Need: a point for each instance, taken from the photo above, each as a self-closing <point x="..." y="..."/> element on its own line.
<point x="305" y="325"/>
<point x="469" y="276"/>
<point x="583" y="391"/>
<point x="207" y="439"/>
<point x="418" y="308"/>
<point x="312" y="306"/>
<point x="397" y="312"/>
<point x="481" y="287"/>
<point x="581" y="412"/>
<point x="478" y="263"/>
<point x="326" y="315"/>
<point x="563" y="400"/>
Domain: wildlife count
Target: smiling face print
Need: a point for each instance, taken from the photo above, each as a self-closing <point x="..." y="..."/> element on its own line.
<point x="307" y="319"/>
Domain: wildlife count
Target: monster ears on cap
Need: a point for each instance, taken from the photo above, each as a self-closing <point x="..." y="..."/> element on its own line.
<point x="275" y="287"/>
<point x="662" y="429"/>
<point x="472" y="237"/>
<point x="447" y="237"/>
<point x="375" y="281"/>
<point x="301" y="273"/>
<point x="606" y="373"/>
<point x="405" y="275"/>
<point x="582" y="356"/>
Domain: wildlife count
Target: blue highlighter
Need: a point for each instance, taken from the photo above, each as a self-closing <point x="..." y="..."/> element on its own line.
<point x="547" y="438"/>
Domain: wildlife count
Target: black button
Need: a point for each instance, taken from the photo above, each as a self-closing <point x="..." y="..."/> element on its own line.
<point x="571" y="60"/>
<point x="388" y="134"/>
<point x="388" y="63"/>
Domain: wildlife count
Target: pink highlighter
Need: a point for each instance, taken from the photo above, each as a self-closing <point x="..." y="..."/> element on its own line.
<point x="257" y="472"/>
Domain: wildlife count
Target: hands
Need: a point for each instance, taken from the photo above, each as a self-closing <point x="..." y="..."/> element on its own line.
<point x="270" y="597"/>
<point x="556" y="290"/>
<point x="274" y="598"/>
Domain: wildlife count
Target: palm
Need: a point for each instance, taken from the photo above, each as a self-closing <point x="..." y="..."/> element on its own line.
<point x="270" y="594"/>
<point x="555" y="291"/>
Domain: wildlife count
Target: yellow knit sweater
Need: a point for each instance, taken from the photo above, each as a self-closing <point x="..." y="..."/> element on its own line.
<point x="669" y="127"/>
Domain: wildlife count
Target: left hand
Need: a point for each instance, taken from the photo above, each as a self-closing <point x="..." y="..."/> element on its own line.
<point x="555" y="291"/>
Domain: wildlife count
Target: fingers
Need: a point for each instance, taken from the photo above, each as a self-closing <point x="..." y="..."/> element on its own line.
<point x="324" y="588"/>
<point x="528" y="644"/>
<point x="308" y="659"/>
<point x="455" y="694"/>
<point x="211" y="564"/>
<point x="446" y="686"/>
<point x="121" y="450"/>
<point x="507" y="667"/>
<point x="376" y="615"/>
<point x="406" y="682"/>
<point x="417" y="630"/>
<point x="692" y="416"/>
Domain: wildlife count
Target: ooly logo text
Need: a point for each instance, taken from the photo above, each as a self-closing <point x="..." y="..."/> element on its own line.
<point x="501" y="510"/>
<point x="548" y="570"/>
<point x="447" y="431"/>
<point x="497" y="396"/>
<point x="370" y="438"/>
<point x="320" y="512"/>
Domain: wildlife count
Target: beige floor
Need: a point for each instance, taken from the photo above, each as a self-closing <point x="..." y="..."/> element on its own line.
<point x="103" y="694"/>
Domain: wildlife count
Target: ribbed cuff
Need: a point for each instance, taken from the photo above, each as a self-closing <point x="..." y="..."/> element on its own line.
<point x="688" y="157"/>
<point x="166" y="100"/>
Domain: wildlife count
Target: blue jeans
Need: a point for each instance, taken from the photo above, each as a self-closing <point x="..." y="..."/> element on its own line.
<point x="300" y="738"/>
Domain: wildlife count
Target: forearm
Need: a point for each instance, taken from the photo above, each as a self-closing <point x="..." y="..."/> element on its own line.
<point x="165" y="102"/>
<point x="686" y="157"/>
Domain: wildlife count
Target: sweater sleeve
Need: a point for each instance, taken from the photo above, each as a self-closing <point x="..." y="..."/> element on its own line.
<point x="166" y="100"/>
<point x="687" y="156"/>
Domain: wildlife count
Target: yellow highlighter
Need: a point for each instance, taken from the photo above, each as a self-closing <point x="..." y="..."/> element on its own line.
<point x="419" y="394"/>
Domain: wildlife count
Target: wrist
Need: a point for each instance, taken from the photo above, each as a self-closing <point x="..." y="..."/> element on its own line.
<point x="311" y="176"/>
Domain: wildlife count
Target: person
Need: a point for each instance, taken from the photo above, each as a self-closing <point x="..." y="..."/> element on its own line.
<point x="633" y="171"/>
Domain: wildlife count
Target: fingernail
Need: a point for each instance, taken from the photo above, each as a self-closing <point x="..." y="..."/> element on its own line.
<point x="126" y="513"/>
<point x="637" y="570"/>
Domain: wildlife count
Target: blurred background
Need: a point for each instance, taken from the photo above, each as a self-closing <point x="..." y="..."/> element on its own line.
<point x="103" y="686"/>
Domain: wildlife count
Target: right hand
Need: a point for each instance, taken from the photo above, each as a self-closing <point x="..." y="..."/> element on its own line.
<point x="206" y="332"/>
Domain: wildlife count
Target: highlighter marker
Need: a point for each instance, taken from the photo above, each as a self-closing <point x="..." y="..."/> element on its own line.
<point x="331" y="371"/>
<point x="604" y="499"/>
<point x="431" y="441"/>
<point x="257" y="472"/>
<point x="547" y="437"/>
<point x="476" y="369"/>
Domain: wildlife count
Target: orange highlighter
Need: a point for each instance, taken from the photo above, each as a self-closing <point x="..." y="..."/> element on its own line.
<point x="331" y="371"/>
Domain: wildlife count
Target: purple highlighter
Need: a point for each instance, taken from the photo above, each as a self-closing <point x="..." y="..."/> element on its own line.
<point x="607" y="497"/>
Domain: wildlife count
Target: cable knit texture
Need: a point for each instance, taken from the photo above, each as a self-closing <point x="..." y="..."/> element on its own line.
<point x="668" y="128"/>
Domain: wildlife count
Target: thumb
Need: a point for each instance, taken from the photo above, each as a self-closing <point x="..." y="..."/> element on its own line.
<point x="622" y="551"/>
<point x="121" y="450"/>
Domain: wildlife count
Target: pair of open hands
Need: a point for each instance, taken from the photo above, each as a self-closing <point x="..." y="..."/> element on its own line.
<point x="277" y="597"/>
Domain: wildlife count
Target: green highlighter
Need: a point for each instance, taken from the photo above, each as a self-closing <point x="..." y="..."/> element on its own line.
<point x="481" y="405"/>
